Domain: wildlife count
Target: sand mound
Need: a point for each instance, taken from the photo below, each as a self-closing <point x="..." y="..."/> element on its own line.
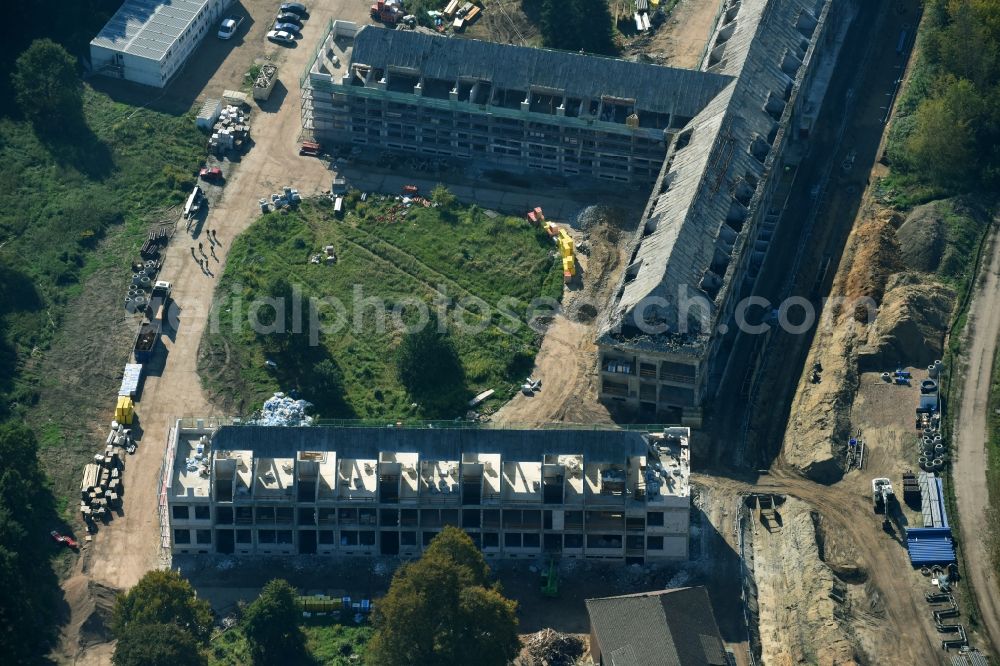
<point x="922" y="238"/>
<point x="819" y="424"/>
<point x="876" y="256"/>
<point x="910" y="326"/>
<point x="90" y="605"/>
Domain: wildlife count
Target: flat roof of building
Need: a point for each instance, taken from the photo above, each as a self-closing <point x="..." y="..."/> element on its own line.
<point x="148" y="28"/>
<point x="432" y="443"/>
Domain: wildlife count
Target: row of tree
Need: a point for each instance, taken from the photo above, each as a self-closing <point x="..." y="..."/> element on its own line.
<point x="950" y="139"/>
<point x="29" y="591"/>
<point x="441" y="609"/>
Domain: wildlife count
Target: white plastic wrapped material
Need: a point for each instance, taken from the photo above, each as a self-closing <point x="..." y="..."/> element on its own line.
<point x="280" y="410"/>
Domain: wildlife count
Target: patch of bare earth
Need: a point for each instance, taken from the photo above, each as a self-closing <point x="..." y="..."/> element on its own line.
<point x="567" y="360"/>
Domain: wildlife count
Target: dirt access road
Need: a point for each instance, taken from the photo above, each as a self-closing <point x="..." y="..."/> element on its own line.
<point x="122" y="552"/>
<point x="971" y="435"/>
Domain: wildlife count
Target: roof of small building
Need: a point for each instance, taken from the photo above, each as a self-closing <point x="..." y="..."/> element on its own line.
<point x="660" y="628"/>
<point x="365" y="443"/>
<point x="653" y="87"/>
<point x="148" y="28"/>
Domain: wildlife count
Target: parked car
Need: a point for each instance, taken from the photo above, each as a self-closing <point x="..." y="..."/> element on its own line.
<point x="289" y="17"/>
<point x="210" y="173"/>
<point x="280" y="37"/>
<point x="294" y="7"/>
<point x="229" y="26"/>
<point x="288" y="27"/>
<point x="64" y="540"/>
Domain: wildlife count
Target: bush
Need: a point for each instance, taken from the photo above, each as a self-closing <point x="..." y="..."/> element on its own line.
<point x="429" y="368"/>
<point x="157" y="645"/>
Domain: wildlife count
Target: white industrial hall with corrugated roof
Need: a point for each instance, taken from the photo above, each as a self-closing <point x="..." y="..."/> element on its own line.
<point x="148" y="41"/>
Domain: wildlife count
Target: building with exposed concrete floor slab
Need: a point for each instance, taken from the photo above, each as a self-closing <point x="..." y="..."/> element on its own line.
<point x="573" y="493"/>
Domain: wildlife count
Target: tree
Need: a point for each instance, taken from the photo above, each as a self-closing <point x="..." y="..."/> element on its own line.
<point x="28" y="582"/>
<point x="577" y="25"/>
<point x="429" y="368"/>
<point x="455" y="545"/>
<point x="157" y="645"/>
<point x="593" y="27"/>
<point x="270" y="624"/>
<point x="943" y="145"/>
<point x="439" y="611"/>
<point x="442" y="196"/>
<point x="163" y="597"/>
<point x="46" y="84"/>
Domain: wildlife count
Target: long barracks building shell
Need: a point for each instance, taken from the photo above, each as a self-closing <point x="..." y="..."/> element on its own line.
<point x="607" y="494"/>
<point x="717" y="145"/>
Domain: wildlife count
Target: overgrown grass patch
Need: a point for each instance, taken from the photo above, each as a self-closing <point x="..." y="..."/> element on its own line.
<point x="459" y="264"/>
<point x="337" y="644"/>
<point x="61" y="197"/>
<point x="328" y="644"/>
<point x="964" y="231"/>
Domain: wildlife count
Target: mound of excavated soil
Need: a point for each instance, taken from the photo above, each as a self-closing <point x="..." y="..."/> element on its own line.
<point x="89" y="605"/>
<point x="876" y="256"/>
<point x="910" y="326"/>
<point x="922" y="238"/>
<point x="819" y="424"/>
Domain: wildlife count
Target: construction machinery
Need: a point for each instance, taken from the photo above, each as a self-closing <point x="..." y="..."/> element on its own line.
<point x="145" y="341"/>
<point x="882" y="494"/>
<point x="387" y="13"/>
<point x="159" y="299"/>
<point x="568" y="251"/>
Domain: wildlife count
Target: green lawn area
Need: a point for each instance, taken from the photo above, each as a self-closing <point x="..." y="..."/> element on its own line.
<point x="328" y="645"/>
<point x="463" y="253"/>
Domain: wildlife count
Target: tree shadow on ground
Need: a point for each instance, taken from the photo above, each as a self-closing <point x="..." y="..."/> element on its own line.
<point x="72" y="143"/>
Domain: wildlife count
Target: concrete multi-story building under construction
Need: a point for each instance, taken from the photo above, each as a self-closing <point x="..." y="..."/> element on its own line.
<point x="719" y="145"/>
<point x="608" y="494"/>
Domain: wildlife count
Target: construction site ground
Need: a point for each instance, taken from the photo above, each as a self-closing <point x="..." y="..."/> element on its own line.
<point x="680" y="41"/>
<point x="886" y="618"/>
<point x="130" y="545"/>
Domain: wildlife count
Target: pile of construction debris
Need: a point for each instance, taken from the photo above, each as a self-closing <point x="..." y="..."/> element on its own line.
<point x="230" y="131"/>
<point x="102" y="487"/>
<point x="281" y="410"/>
<point x="550" y="648"/>
<point x="289" y="197"/>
